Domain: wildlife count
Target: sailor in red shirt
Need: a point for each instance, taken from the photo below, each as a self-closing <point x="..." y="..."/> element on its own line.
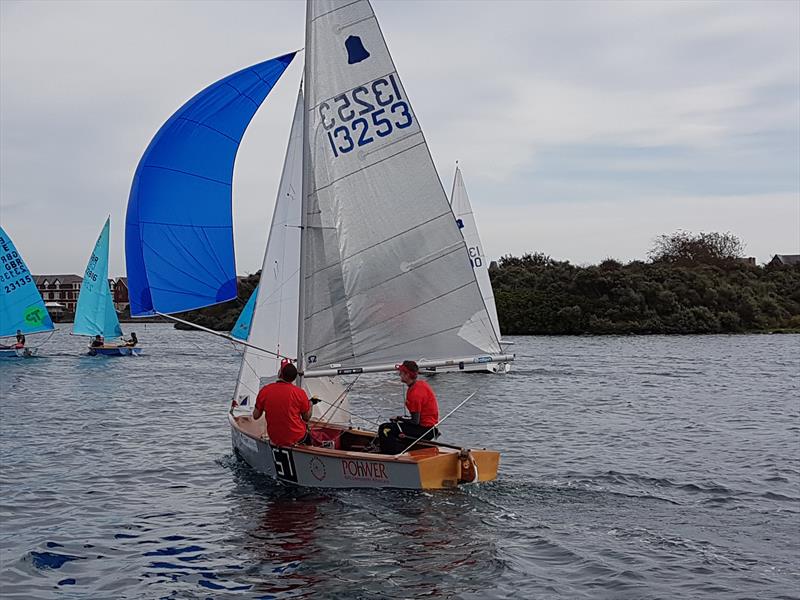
<point x="421" y="403"/>
<point x="287" y="409"/>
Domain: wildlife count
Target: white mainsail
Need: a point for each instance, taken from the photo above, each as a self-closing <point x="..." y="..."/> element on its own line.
<point x="385" y="269"/>
<point x="462" y="209"/>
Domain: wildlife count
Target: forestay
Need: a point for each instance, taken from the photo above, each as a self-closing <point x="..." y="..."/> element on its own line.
<point x="386" y="271"/>
<point x="21" y="305"/>
<point x="95" y="313"/>
<point x="179" y="226"/>
<point x="462" y="209"/>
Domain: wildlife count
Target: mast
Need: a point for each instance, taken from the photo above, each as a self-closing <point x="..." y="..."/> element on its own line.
<point x="303" y="210"/>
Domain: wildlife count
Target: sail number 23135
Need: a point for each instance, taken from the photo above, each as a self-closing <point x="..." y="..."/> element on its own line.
<point x="364" y="114"/>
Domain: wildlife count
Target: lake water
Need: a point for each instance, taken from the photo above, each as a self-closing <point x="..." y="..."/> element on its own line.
<point x="632" y="467"/>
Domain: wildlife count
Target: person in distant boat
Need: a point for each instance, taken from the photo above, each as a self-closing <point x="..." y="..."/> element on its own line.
<point x="20" y="339"/>
<point x="421" y="403"/>
<point x="133" y="341"/>
<point x="287" y="409"/>
<point x="97" y="342"/>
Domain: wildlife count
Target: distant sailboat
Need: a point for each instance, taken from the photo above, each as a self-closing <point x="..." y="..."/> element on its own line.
<point x="462" y="210"/>
<point x="21" y="306"/>
<point x="364" y="268"/>
<point x="95" y="314"/>
<point x="241" y="330"/>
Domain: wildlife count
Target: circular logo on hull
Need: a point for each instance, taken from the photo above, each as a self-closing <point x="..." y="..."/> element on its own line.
<point x="317" y="468"/>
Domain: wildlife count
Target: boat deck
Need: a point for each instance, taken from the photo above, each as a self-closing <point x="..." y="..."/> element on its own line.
<point x="350" y="442"/>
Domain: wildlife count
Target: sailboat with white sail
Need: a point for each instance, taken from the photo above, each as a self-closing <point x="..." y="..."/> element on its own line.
<point x="95" y="314"/>
<point x="364" y="268"/>
<point x="22" y="310"/>
<point x="465" y="219"/>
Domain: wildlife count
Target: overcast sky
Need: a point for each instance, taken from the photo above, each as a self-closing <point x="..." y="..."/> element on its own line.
<point x="584" y="130"/>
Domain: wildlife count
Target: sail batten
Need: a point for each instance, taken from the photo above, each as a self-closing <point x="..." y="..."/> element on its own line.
<point x="179" y="226"/>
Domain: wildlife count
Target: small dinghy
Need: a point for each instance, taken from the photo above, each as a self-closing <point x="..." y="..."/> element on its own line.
<point x="95" y="315"/>
<point x="22" y="310"/>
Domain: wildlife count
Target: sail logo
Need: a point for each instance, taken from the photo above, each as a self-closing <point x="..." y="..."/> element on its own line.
<point x="364" y="115"/>
<point x="33" y="315"/>
<point x="355" y="50"/>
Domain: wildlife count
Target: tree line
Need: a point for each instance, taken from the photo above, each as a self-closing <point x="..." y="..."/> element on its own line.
<point x="691" y="283"/>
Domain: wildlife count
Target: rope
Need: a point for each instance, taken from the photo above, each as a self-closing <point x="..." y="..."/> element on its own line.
<point x="439" y="422"/>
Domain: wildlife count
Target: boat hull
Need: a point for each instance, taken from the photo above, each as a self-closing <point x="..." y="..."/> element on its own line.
<point x="430" y="467"/>
<point x="18" y="352"/>
<point x="119" y="351"/>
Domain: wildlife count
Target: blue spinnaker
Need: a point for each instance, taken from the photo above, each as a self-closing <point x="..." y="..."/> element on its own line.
<point x="241" y="330"/>
<point x="179" y="226"/>
<point x="21" y="304"/>
<point x="95" y="314"/>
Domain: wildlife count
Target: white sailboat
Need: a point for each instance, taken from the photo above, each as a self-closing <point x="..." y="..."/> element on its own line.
<point x="364" y="268"/>
<point x="462" y="210"/>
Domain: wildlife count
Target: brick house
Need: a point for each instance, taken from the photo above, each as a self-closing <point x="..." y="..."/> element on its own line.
<point x="119" y="290"/>
<point x="63" y="289"/>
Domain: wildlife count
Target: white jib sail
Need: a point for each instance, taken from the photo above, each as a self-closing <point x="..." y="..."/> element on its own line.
<point x="462" y="209"/>
<point x="275" y="316"/>
<point x="386" y="272"/>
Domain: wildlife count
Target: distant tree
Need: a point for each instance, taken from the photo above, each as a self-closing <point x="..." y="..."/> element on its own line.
<point x="685" y="248"/>
<point x="535" y="259"/>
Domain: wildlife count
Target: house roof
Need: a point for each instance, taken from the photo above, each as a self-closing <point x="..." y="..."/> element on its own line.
<point x="71" y="278"/>
<point x="788" y="259"/>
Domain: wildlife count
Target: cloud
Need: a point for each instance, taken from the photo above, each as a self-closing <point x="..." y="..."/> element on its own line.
<point x="625" y="230"/>
<point x="578" y="125"/>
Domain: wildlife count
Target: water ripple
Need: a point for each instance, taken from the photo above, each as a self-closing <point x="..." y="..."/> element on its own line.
<point x="633" y="467"/>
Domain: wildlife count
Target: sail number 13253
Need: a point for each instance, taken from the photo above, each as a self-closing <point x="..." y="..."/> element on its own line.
<point x="364" y="114"/>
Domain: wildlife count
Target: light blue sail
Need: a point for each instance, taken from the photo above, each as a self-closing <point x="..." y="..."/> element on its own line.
<point x="241" y="331"/>
<point x="21" y="304"/>
<point x="95" y="314"/>
<point x="179" y="225"/>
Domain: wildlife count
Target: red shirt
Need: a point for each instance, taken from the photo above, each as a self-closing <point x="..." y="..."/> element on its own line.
<point x="283" y="403"/>
<point x="421" y="399"/>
